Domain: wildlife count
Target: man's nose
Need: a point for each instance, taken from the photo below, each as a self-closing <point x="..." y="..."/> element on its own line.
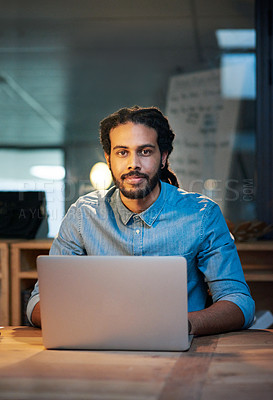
<point x="134" y="161"/>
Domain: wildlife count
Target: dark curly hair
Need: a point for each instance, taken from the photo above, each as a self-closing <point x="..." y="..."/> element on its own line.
<point x="151" y="117"/>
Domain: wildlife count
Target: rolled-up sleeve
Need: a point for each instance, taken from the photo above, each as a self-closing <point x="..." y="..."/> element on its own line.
<point x="33" y="300"/>
<point x="218" y="260"/>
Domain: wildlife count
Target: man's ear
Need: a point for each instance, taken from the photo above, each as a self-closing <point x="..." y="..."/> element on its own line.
<point x="107" y="158"/>
<point x="164" y="157"/>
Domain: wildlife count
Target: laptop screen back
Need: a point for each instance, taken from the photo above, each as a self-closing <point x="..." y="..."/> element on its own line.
<point x="114" y="302"/>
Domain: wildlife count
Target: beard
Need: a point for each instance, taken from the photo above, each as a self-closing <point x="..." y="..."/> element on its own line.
<point x="137" y="192"/>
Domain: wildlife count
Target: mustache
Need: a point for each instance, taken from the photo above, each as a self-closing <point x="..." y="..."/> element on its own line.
<point x="135" y="173"/>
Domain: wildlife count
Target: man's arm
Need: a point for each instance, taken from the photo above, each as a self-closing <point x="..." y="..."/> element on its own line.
<point x="221" y="316"/>
<point x="233" y="307"/>
<point x="36" y="315"/>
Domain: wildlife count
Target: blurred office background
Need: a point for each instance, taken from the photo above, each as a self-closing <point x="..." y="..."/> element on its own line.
<point x="65" y="65"/>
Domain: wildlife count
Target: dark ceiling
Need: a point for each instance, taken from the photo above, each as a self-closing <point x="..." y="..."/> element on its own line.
<point x="64" y="65"/>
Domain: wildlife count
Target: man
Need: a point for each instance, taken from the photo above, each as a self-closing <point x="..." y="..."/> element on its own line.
<point x="145" y="213"/>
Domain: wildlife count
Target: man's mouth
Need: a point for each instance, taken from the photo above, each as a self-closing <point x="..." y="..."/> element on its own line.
<point x="134" y="178"/>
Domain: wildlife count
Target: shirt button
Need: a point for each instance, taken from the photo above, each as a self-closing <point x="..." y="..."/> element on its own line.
<point x="137" y="231"/>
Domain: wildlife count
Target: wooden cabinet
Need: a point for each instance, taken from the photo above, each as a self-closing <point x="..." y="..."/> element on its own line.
<point x="24" y="273"/>
<point x="4" y="283"/>
<point x="20" y="258"/>
<point x="257" y="262"/>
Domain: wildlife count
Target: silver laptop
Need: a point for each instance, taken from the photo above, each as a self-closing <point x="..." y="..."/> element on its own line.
<point x="114" y="302"/>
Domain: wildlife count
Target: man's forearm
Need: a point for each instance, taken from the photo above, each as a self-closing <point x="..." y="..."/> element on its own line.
<point x="36" y="315"/>
<point x="220" y="317"/>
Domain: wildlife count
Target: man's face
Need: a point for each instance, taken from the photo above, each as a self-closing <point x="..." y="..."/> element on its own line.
<point x="135" y="159"/>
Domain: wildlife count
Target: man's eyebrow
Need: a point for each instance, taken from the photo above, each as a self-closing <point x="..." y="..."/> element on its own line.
<point x="120" y="147"/>
<point x="146" y="145"/>
<point x="139" y="147"/>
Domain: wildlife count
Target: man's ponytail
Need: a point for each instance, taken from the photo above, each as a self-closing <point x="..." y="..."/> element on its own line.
<point x="168" y="176"/>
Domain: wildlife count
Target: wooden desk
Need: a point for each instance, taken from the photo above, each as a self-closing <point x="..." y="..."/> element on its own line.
<point x="228" y="366"/>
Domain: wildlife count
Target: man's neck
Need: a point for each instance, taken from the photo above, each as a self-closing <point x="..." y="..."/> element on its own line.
<point x="139" y="205"/>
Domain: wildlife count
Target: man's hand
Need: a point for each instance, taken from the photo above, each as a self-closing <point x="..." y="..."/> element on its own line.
<point x="222" y="316"/>
<point x="36" y="315"/>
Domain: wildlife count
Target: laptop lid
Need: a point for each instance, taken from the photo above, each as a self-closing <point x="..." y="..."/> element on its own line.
<point x="114" y="302"/>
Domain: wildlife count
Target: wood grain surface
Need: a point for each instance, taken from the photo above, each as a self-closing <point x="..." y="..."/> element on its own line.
<point x="227" y="366"/>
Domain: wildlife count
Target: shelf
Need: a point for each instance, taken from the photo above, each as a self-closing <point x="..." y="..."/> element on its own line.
<point x="33" y="244"/>
<point x="24" y="273"/>
<point x="259" y="276"/>
<point x="28" y="275"/>
<point x="255" y="246"/>
<point x="257" y="262"/>
<point x="4" y="284"/>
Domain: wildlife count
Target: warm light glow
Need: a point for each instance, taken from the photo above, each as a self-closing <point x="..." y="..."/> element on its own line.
<point x="100" y="176"/>
<point x="210" y="184"/>
<point x="52" y="172"/>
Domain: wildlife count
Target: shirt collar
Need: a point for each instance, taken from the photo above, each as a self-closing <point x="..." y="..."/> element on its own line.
<point x="148" y="216"/>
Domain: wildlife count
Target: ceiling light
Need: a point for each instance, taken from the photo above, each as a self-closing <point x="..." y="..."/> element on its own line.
<point x="236" y="38"/>
<point x="52" y="172"/>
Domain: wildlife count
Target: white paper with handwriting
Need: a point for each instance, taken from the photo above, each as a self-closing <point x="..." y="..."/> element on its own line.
<point x="204" y="123"/>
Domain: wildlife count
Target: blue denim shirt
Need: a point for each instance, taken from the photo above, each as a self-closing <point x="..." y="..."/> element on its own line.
<point x="178" y="223"/>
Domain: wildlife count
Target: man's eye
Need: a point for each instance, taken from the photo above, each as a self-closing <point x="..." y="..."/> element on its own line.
<point x="122" y="153"/>
<point x="146" y="152"/>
